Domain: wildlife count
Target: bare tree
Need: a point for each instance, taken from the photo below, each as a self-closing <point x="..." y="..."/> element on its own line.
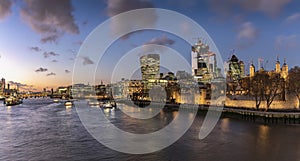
<point x="265" y="86"/>
<point x="294" y="82"/>
<point x="272" y="87"/>
<point x="245" y="85"/>
<point x="255" y="88"/>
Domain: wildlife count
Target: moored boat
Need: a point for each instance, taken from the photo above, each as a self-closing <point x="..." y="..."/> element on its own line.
<point x="93" y="103"/>
<point x="55" y="100"/>
<point x="12" y="100"/>
<point x="68" y="103"/>
<point x="109" y="104"/>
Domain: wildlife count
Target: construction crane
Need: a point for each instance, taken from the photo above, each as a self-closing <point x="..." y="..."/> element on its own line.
<point x="203" y="55"/>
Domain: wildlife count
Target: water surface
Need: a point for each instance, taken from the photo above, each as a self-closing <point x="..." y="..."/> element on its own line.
<point x="42" y="130"/>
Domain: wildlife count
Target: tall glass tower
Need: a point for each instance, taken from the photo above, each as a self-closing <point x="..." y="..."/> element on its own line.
<point x="150" y="65"/>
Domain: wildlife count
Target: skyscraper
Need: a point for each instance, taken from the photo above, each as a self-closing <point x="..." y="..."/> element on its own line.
<point x="204" y="63"/>
<point x="2" y="85"/>
<point x="150" y="65"/>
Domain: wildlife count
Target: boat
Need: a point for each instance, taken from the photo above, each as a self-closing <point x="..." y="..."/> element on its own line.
<point x="94" y="103"/>
<point x="68" y="103"/>
<point x="12" y="100"/>
<point x="56" y="100"/>
<point x="109" y="104"/>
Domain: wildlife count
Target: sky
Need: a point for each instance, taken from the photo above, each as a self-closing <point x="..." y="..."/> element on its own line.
<point x="40" y="40"/>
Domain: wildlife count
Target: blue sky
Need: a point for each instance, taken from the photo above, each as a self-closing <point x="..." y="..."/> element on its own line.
<point x="39" y="40"/>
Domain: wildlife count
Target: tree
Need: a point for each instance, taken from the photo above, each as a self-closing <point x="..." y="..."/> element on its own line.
<point x="294" y="82"/>
<point x="272" y="87"/>
<point x="265" y="86"/>
<point x="245" y="85"/>
<point x="256" y="88"/>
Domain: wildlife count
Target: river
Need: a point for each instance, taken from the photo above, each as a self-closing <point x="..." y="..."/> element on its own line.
<point x="39" y="129"/>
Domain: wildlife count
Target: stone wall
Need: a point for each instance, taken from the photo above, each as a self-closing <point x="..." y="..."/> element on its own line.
<point x="288" y="104"/>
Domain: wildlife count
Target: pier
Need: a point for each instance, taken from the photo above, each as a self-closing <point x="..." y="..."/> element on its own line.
<point x="264" y="116"/>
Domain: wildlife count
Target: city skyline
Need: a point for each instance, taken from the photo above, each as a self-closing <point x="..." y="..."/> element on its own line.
<point x="40" y="42"/>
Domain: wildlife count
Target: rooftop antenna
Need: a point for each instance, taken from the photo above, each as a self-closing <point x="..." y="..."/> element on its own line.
<point x="247" y="67"/>
<point x="251" y="61"/>
<point x="267" y="61"/>
<point x="232" y="51"/>
<point x="197" y="38"/>
<point x="260" y="63"/>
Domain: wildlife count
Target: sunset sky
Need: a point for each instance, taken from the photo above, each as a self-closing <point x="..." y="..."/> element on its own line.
<point x="39" y="40"/>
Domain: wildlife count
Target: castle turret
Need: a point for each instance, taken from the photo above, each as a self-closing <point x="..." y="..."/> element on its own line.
<point x="284" y="70"/>
<point x="277" y="69"/>
<point x="252" y="70"/>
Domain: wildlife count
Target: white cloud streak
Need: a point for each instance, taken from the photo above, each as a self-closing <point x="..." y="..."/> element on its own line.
<point x="293" y="17"/>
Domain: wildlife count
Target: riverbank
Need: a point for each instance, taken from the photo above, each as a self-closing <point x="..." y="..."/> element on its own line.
<point x="289" y="116"/>
<point x="272" y="116"/>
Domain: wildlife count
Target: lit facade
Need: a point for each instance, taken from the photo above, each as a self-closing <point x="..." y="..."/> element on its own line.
<point x="235" y="69"/>
<point x="150" y="65"/>
<point x="2" y="86"/>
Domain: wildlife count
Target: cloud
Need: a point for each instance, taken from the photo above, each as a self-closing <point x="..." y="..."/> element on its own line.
<point x="17" y="84"/>
<point x="247" y="31"/>
<point x="71" y="51"/>
<point x="21" y="86"/>
<point x="84" y="23"/>
<point x="41" y="69"/>
<point x="5" y="6"/>
<point x="50" y="19"/>
<point x="78" y="43"/>
<point x="293" y="17"/>
<point x="147" y="47"/>
<point x="287" y="42"/>
<point x="48" y="54"/>
<point x="50" y="38"/>
<point x="67" y="71"/>
<point x="163" y="40"/>
<point x="54" y="61"/>
<point x="118" y="25"/>
<point x="35" y="48"/>
<point x="269" y="7"/>
<point x="87" y="61"/>
<point x="246" y="35"/>
<point x="118" y="6"/>
<point x="49" y="74"/>
<point x="183" y="3"/>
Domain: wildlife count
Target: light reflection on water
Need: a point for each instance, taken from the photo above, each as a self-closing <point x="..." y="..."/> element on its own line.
<point x="42" y="130"/>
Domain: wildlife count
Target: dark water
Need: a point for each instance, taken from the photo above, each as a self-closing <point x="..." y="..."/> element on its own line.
<point x="41" y="130"/>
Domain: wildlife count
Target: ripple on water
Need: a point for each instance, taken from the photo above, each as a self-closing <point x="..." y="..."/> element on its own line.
<point x="39" y="129"/>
